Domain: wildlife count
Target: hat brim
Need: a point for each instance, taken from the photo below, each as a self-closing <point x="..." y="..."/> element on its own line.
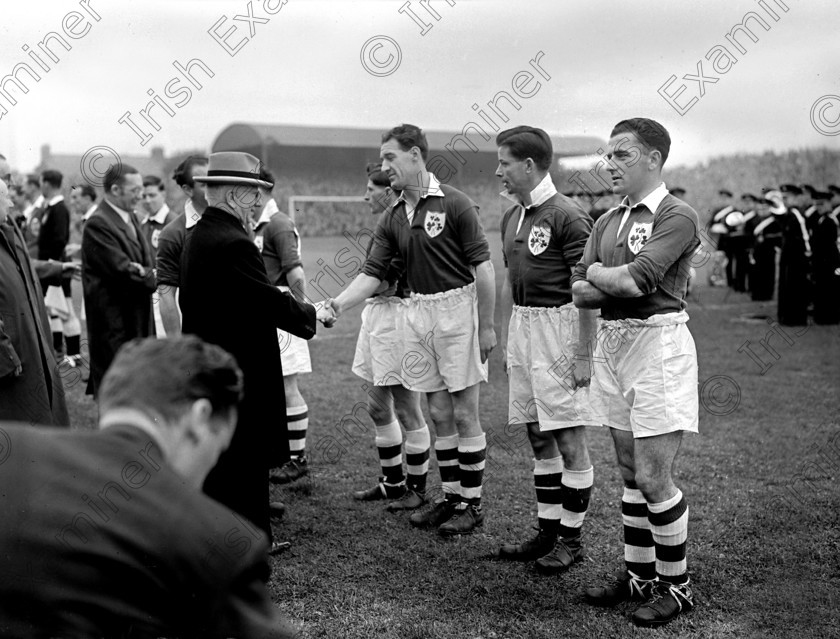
<point x="225" y="179"/>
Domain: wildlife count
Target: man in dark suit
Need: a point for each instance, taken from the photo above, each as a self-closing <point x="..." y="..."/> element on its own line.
<point x="106" y="534"/>
<point x="118" y="272"/>
<point x="227" y="299"/>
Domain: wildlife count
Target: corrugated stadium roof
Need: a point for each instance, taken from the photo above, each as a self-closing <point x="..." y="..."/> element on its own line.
<point x="237" y="135"/>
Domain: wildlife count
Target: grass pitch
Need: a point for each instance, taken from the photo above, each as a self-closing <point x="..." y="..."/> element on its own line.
<point x="762" y="481"/>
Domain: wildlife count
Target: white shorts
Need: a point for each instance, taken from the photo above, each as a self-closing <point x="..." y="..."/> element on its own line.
<point x="441" y="351"/>
<point x="381" y="344"/>
<point x="294" y="351"/>
<point x="645" y="375"/>
<point x="541" y="347"/>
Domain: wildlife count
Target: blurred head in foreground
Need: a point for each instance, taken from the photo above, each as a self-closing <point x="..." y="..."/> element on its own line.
<point x="188" y="403"/>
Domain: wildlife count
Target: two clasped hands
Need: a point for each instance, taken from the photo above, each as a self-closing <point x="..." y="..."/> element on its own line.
<point x="326" y="312"/>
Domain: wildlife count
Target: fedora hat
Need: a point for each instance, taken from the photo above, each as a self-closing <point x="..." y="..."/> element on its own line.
<point x="233" y="167"/>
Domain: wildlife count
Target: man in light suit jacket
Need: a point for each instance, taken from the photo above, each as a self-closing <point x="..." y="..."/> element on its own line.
<point x="118" y="272"/>
<point x="107" y="533"/>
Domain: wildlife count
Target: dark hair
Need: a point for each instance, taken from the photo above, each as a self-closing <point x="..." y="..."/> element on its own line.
<point x="648" y="132"/>
<point x="407" y="136"/>
<point x="33" y="180"/>
<point x="52" y="177"/>
<point x="115" y="175"/>
<point x="528" y="142"/>
<point x="266" y="175"/>
<point x="153" y="180"/>
<point x="376" y="175"/>
<point x="166" y="375"/>
<point x="183" y="172"/>
<point x="86" y="190"/>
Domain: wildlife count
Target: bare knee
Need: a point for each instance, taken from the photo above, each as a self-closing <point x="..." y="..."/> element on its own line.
<point x="380" y="407"/>
<point x="542" y="443"/>
<point x="655" y="484"/>
<point x="572" y="445"/>
<point x="441" y="416"/>
<point x="407" y="407"/>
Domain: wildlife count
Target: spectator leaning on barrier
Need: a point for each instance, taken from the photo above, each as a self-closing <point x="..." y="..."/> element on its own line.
<point x="107" y="534"/>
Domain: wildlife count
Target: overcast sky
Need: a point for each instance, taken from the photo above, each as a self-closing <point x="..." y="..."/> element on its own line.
<point x="606" y="60"/>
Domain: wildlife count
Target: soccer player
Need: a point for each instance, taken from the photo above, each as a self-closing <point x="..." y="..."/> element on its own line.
<point x="379" y="352"/>
<point x="644" y="387"/>
<point x="172" y="238"/>
<point x="279" y="242"/>
<point x="157" y="210"/>
<point x="543" y="236"/>
<point x="52" y="240"/>
<point x="436" y="231"/>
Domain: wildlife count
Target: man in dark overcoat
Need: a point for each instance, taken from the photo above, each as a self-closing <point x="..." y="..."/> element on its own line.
<point x="30" y="388"/>
<point x="118" y="272"/>
<point x="227" y="299"/>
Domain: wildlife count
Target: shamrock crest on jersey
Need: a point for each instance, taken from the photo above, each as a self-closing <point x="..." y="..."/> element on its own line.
<point x="639" y="235"/>
<point x="539" y="238"/>
<point x="435" y="221"/>
<point x="155" y="238"/>
<point x="259" y="241"/>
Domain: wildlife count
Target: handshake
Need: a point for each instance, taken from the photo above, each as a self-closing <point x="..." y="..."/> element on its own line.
<point x="326" y="312"/>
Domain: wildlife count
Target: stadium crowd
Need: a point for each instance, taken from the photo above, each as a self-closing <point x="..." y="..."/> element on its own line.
<point x="592" y="304"/>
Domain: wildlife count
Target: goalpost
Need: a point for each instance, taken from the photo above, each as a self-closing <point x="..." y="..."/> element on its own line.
<point x="294" y="199"/>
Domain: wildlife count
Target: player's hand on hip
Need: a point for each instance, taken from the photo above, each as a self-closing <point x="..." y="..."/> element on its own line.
<point x="486" y="342"/>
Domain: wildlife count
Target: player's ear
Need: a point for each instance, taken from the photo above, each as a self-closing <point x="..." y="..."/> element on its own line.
<point x="196" y="421"/>
<point x="655" y="158"/>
